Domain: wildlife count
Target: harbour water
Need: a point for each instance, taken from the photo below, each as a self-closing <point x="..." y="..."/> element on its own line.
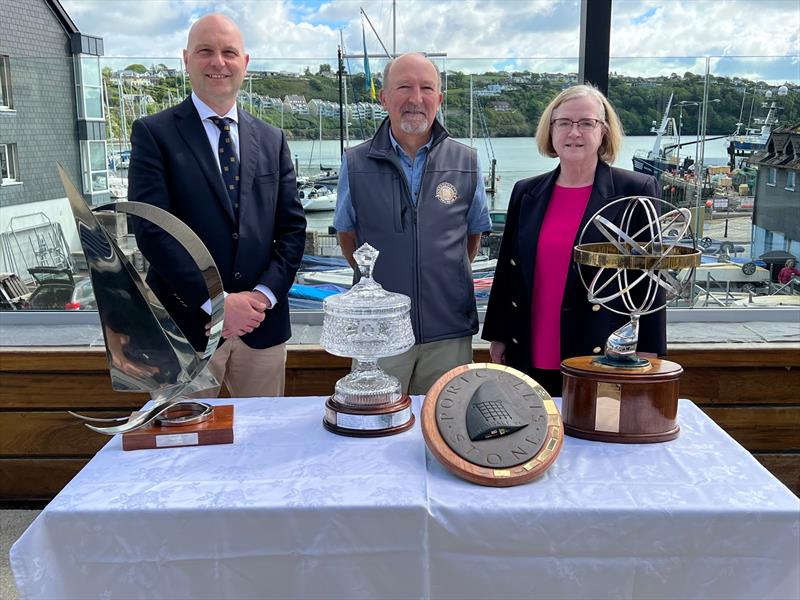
<point x="517" y="158"/>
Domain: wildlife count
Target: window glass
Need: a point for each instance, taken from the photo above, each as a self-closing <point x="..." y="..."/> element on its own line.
<point x="791" y="178"/>
<point x="92" y="98"/>
<point x="5" y="83"/>
<point x="97" y="156"/>
<point x="90" y="70"/>
<point x="8" y="163"/>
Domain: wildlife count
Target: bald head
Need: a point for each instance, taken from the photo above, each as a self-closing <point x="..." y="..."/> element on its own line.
<point x="416" y="60"/>
<point x="216" y="61"/>
<point x="213" y="22"/>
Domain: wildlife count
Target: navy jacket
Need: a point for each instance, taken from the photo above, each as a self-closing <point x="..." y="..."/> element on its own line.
<point x="173" y="167"/>
<point x="584" y="329"/>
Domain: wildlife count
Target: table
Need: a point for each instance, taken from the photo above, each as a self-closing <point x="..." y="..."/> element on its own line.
<point x="290" y="510"/>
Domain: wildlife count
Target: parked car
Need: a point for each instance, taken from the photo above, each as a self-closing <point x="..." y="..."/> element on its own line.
<point x="82" y="296"/>
<point x="54" y="286"/>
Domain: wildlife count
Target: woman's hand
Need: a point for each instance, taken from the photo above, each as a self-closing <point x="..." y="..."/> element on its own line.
<point x="497" y="352"/>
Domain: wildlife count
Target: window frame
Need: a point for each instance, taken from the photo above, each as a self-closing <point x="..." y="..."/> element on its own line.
<point x="9" y="150"/>
<point x="87" y="173"/>
<point x="6" y="97"/>
<point x="791" y="181"/>
<point x="772" y="176"/>
<point x="81" y="86"/>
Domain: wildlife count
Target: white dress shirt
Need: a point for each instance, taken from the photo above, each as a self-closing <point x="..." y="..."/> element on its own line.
<point x="213" y="133"/>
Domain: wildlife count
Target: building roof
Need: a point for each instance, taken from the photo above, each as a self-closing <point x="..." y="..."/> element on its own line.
<point x="66" y="22"/>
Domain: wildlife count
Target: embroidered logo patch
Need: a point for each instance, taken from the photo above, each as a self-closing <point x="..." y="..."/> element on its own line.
<point x="446" y="193"/>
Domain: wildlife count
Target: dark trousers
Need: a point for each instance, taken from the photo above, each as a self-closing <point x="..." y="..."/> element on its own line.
<point x="549" y="379"/>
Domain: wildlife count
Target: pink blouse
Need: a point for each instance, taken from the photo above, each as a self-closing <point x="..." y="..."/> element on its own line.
<point x="553" y="258"/>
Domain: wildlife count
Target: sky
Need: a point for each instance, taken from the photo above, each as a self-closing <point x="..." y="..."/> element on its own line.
<point x="753" y="39"/>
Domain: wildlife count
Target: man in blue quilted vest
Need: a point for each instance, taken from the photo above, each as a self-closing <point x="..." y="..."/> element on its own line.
<point x="418" y="196"/>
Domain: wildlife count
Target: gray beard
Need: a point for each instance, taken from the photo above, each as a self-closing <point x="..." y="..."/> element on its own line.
<point x="412" y="129"/>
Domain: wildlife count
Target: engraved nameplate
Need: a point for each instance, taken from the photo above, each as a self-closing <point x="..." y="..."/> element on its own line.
<point x="176" y="439"/>
<point x="607" y="407"/>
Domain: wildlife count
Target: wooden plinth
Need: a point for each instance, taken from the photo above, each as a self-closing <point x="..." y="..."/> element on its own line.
<point x="218" y="429"/>
<point x="369" y="421"/>
<point x="609" y="404"/>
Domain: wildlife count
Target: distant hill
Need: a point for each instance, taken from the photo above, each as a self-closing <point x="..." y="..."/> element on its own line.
<point x="509" y="104"/>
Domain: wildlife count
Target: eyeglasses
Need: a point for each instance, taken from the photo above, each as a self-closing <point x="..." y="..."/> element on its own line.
<point x="583" y="124"/>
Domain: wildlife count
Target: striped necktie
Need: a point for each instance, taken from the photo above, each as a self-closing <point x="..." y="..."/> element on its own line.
<point x="228" y="162"/>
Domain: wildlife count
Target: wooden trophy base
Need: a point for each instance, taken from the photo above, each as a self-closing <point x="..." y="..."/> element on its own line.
<point x="373" y="421"/>
<point x="612" y="404"/>
<point x="218" y="429"/>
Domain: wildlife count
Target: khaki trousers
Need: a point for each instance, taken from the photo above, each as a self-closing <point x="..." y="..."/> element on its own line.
<point x="249" y="372"/>
<point x="420" y="367"/>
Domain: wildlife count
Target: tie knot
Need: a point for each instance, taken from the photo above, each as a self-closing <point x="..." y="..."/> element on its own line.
<point x="222" y="123"/>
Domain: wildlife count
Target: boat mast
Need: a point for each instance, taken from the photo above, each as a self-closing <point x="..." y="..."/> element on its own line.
<point x="123" y="124"/>
<point x="343" y="112"/>
<point x="470" y="112"/>
<point x="661" y="130"/>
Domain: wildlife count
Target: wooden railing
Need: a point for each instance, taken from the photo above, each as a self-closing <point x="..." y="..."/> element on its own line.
<point x="752" y="392"/>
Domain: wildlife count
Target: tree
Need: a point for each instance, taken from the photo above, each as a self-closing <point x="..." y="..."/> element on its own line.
<point x="136" y="68"/>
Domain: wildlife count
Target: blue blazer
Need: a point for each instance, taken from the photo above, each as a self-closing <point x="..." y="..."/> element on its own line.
<point x="583" y="330"/>
<point x="173" y="167"/>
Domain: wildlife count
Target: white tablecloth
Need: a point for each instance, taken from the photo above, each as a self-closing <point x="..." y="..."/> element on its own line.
<point x="290" y="510"/>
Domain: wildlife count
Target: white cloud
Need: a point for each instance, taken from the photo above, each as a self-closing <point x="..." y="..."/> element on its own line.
<point x="475" y="34"/>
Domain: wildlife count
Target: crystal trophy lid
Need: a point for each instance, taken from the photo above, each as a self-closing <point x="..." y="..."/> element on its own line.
<point x="367" y="298"/>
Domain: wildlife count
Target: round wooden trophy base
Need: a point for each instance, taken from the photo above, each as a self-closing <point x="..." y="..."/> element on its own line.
<point x="612" y="404"/>
<point x="374" y="421"/>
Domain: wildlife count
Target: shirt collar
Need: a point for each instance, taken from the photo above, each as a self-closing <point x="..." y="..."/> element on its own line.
<point x="206" y="112"/>
<point x="399" y="149"/>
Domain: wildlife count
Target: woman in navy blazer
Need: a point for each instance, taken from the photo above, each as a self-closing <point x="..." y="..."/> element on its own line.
<point x="538" y="312"/>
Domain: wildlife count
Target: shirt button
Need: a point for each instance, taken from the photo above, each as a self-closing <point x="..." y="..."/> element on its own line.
<point x="235" y="236"/>
<point x="513" y="264"/>
<point x="596" y="349"/>
<point x="237" y="275"/>
<point x="596" y="307"/>
<point x="236" y="205"/>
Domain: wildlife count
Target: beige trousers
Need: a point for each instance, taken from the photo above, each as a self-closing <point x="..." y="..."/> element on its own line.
<point x="420" y="367"/>
<point x="249" y="372"/>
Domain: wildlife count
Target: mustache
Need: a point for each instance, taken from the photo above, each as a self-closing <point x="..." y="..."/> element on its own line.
<point x="412" y="107"/>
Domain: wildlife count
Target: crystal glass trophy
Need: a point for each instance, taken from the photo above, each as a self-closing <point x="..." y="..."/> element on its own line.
<point x="367" y="323"/>
<point x="620" y="396"/>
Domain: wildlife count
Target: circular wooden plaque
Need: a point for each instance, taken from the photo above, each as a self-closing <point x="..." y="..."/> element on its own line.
<point x="611" y="404"/>
<point x="491" y="424"/>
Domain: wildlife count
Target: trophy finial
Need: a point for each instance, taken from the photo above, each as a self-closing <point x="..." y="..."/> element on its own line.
<point x="365" y="257"/>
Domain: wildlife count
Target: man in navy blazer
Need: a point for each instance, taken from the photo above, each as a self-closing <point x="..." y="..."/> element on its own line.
<point x="246" y="212"/>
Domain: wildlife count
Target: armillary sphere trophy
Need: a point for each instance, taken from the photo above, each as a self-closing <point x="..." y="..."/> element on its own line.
<point x="620" y="396"/>
<point x="146" y="350"/>
<point x="366" y="323"/>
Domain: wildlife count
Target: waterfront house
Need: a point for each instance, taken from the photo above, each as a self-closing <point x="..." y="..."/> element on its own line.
<point x="777" y="195"/>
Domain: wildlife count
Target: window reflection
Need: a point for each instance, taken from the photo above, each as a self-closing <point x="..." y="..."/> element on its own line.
<point x="742" y="210"/>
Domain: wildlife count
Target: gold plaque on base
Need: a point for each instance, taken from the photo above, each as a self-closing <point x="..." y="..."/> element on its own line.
<point x="612" y="404"/>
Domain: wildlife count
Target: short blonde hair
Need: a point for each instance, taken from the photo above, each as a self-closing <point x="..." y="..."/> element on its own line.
<point x="612" y="128"/>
